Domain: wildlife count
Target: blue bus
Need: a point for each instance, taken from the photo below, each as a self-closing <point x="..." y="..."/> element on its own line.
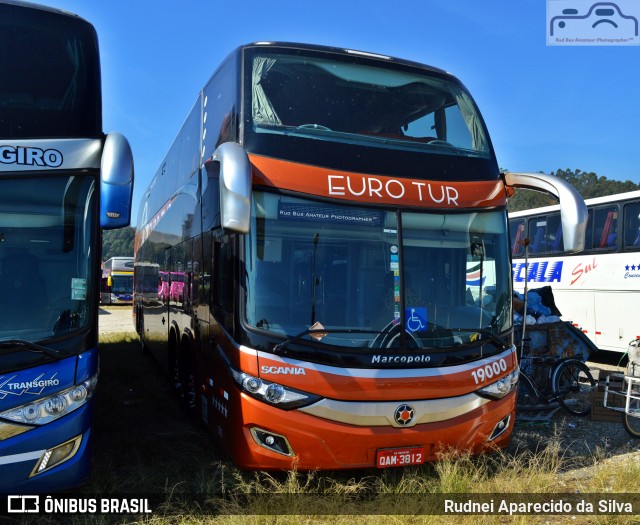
<point x="62" y="180"/>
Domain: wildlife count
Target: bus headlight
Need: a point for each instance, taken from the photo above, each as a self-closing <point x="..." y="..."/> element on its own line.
<point x="272" y="393"/>
<point x="283" y="397"/>
<point x="275" y="394"/>
<point x="45" y="410"/>
<point x="251" y="384"/>
<point x="502" y="387"/>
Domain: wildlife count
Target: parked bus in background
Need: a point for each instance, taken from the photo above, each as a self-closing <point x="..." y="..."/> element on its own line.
<point x="176" y="288"/>
<point x="61" y="180"/>
<point x="340" y="220"/>
<point x="117" y="281"/>
<point x="163" y="286"/>
<point x="598" y="289"/>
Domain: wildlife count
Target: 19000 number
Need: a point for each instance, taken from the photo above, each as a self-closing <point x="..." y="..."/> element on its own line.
<point x="482" y="374"/>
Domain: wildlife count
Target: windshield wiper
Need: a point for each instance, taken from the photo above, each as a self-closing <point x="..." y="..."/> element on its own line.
<point x="483" y="331"/>
<point x="281" y="348"/>
<point x="6" y="346"/>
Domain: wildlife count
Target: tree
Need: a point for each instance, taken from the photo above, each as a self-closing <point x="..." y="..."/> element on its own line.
<point x="117" y="243"/>
<point x="588" y="184"/>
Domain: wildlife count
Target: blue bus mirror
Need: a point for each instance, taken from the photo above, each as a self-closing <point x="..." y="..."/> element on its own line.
<point x="116" y="182"/>
<point x="231" y="163"/>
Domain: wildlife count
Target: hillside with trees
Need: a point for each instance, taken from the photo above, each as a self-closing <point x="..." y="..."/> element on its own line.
<point x="117" y="243"/>
<point x="588" y="184"/>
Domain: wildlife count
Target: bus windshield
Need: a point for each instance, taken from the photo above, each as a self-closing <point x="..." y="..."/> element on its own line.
<point x="355" y="103"/>
<point x="121" y="283"/>
<point x="46" y="255"/>
<point x="444" y="276"/>
<point x="50" y="81"/>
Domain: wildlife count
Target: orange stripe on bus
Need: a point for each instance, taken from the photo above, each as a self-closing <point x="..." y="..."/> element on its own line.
<point x="377" y="189"/>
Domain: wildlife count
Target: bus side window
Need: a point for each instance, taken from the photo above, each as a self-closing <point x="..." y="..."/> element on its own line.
<point x="553" y="237"/>
<point x="516" y="234"/>
<point x="632" y="225"/>
<point x="606" y="228"/>
<point x="545" y="233"/>
<point x="537" y="234"/>
<point x="223" y="283"/>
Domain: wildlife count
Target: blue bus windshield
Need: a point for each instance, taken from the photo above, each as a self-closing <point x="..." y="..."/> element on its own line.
<point x="46" y="255"/>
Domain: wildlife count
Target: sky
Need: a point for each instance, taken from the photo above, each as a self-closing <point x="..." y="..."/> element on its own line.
<point x="546" y="107"/>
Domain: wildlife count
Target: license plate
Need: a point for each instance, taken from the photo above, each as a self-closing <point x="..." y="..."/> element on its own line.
<point x="399" y="457"/>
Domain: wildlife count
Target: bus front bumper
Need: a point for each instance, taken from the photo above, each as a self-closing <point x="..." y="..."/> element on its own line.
<point x="270" y="439"/>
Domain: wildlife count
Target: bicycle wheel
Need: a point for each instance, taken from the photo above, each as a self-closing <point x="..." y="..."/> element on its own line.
<point x="631" y="420"/>
<point x="572" y="385"/>
<point x="527" y="397"/>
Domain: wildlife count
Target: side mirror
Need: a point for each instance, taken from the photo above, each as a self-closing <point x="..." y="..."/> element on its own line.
<point x="231" y="163"/>
<point x="116" y="182"/>
<point x="573" y="210"/>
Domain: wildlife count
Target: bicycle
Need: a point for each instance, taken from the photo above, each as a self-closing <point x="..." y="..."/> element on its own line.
<point x="546" y="380"/>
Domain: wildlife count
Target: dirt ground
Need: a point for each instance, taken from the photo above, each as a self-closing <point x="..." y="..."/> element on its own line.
<point x="115" y="319"/>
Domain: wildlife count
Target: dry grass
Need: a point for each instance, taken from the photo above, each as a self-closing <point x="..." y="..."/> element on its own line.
<point x="145" y="444"/>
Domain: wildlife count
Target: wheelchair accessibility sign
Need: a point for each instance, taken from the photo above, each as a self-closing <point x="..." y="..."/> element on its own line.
<point x="416" y="319"/>
<point x="592" y="23"/>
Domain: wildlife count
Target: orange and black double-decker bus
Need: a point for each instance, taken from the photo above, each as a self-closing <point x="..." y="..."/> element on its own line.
<point x="339" y="222"/>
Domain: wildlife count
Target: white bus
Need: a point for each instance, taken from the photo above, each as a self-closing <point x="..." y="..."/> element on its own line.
<point x="597" y="289"/>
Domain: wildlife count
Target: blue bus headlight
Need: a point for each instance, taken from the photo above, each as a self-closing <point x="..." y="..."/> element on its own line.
<point x="45" y="410"/>
<point x="55" y="405"/>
